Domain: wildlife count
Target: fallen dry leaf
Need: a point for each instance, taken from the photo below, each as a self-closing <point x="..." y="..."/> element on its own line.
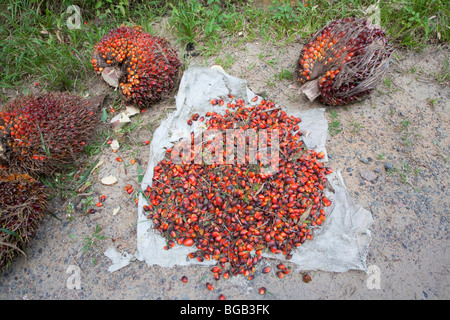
<point x="119" y="121"/>
<point x="116" y="210"/>
<point x="131" y="111"/>
<point x="115" y="145"/>
<point x="109" y="180"/>
<point x="98" y="165"/>
<point x="305" y="214"/>
<point x="111" y="76"/>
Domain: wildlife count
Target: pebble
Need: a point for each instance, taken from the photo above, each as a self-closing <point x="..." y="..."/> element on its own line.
<point x="368" y="175"/>
<point x="364" y="160"/>
<point x="388" y="166"/>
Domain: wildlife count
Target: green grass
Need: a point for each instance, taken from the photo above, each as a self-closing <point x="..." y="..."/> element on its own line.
<point x="37" y="45"/>
<point x="335" y="125"/>
<point x="357" y="127"/>
<point x="414" y="24"/>
<point x="406" y="173"/>
<point x="92" y="243"/>
<point x="285" y="74"/>
<point x="443" y="76"/>
<point x="226" y="61"/>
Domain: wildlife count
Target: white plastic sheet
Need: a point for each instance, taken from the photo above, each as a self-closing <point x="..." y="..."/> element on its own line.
<point x="341" y="244"/>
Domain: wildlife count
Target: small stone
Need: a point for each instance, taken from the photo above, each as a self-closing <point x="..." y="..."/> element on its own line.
<point x="368" y="175"/>
<point x="388" y="166"/>
<point x="364" y="160"/>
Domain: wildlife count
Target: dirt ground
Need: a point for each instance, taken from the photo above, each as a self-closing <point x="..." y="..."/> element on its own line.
<point x="403" y="126"/>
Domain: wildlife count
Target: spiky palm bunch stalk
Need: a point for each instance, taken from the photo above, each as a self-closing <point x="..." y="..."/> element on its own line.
<point x="43" y="134"/>
<point x="23" y="201"/>
<point x="344" y="61"/>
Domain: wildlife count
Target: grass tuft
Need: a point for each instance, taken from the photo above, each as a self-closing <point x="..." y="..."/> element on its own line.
<point x="37" y="44"/>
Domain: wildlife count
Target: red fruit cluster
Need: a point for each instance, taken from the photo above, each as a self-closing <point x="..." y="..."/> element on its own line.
<point x="348" y="57"/>
<point x="39" y="135"/>
<point x="232" y="213"/>
<point x="147" y="63"/>
<point x="22" y="203"/>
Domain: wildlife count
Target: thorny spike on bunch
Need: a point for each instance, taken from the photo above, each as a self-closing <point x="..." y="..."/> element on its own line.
<point x="349" y="58"/>
<point x="41" y="134"/>
<point x="231" y="213"/>
<point x="147" y="63"/>
<point x="22" y="203"/>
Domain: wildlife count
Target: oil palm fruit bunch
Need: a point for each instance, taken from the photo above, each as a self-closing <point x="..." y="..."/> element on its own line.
<point x="344" y="61"/>
<point x="23" y="201"/>
<point x="146" y="68"/>
<point x="40" y="135"/>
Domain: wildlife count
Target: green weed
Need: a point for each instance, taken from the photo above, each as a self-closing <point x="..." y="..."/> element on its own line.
<point x="285" y="74"/>
<point x="335" y="125"/>
<point x="357" y="127"/>
<point x="91" y="243"/>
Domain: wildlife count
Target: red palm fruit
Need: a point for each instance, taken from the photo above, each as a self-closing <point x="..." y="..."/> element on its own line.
<point x="23" y="201"/>
<point x="217" y="208"/>
<point x="266" y="270"/>
<point x="144" y="67"/>
<point x="281" y="266"/>
<point x="44" y="134"/>
<point x="262" y="290"/>
<point x="306" y="278"/>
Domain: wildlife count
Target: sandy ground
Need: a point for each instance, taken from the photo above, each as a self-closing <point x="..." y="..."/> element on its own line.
<point x="404" y="126"/>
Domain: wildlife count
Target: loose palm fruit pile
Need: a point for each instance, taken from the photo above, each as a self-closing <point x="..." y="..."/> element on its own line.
<point x="148" y="66"/>
<point x="233" y="212"/>
<point x="41" y="134"/>
<point x="348" y="57"/>
<point x="22" y="203"/>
